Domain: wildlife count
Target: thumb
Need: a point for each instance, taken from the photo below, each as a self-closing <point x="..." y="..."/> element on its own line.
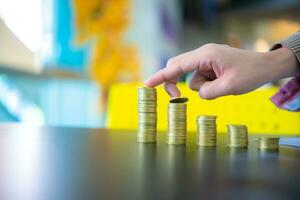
<point x="213" y="89"/>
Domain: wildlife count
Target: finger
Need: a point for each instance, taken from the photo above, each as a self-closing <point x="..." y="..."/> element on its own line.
<point x="197" y="80"/>
<point x="164" y="75"/>
<point x="176" y="67"/>
<point x="213" y="89"/>
<point x="172" y="89"/>
<point x="155" y="79"/>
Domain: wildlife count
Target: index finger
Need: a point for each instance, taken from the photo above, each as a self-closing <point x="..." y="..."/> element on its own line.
<point x="176" y="67"/>
<point x="156" y="79"/>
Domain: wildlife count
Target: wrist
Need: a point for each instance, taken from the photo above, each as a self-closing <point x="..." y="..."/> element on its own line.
<point x="282" y="63"/>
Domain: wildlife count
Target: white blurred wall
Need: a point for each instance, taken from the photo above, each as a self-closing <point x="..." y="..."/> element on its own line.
<point x="147" y="32"/>
<point x="14" y="53"/>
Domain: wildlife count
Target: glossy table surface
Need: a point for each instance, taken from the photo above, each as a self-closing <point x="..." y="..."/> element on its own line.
<point x="74" y="163"/>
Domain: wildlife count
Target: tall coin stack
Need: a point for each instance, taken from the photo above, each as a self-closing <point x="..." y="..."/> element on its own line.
<point x="147" y="115"/>
<point x="207" y="130"/>
<point x="237" y="136"/>
<point x="268" y="143"/>
<point x="177" y="121"/>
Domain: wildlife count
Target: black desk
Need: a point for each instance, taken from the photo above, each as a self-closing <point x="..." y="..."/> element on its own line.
<point x="66" y="163"/>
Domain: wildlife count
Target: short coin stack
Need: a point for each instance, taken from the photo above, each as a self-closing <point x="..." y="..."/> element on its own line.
<point x="177" y="121"/>
<point x="147" y="120"/>
<point x="237" y="136"/>
<point x="268" y="143"/>
<point x="207" y="130"/>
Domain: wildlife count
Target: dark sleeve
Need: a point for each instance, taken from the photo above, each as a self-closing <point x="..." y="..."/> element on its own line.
<point x="292" y="42"/>
<point x="288" y="96"/>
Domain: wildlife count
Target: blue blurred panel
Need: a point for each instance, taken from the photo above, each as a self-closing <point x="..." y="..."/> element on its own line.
<point x="50" y="101"/>
<point x="66" y="54"/>
<point x="6" y="116"/>
<point x="71" y="103"/>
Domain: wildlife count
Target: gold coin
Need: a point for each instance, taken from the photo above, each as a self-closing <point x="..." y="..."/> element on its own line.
<point x="268" y="143"/>
<point x="179" y="100"/>
<point x="206" y="118"/>
<point x="147" y="114"/>
<point x="172" y="140"/>
<point x="207" y="140"/>
<point x="177" y="106"/>
<point x="206" y="130"/>
<point x="177" y="121"/>
<point x="237" y="135"/>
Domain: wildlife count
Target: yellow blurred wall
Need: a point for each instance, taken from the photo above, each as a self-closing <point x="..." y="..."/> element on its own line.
<point x="253" y="109"/>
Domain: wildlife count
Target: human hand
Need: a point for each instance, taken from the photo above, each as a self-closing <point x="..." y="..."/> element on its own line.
<point x="220" y="70"/>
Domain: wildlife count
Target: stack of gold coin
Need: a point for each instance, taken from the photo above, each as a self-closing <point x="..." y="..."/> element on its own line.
<point x="237" y="135"/>
<point x="207" y="130"/>
<point x="147" y="115"/>
<point x="177" y="121"/>
<point x="268" y="143"/>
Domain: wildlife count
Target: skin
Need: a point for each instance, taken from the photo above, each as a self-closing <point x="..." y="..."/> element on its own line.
<point x="220" y="70"/>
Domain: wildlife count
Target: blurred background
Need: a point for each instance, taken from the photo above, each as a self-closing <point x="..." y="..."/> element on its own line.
<point x="60" y="59"/>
